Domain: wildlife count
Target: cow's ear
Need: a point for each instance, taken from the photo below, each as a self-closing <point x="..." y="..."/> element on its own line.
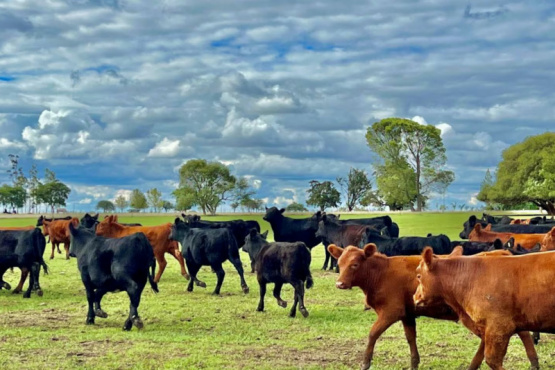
<point x="478" y="227"/>
<point x="266" y="208"/>
<point x="338" y="216"/>
<point x="324" y="218"/>
<point x="282" y="210"/>
<point x="116" y="218"/>
<point x="252" y="232"/>
<point x="74" y="222"/>
<point x="96" y="217"/>
<point x="552" y="232"/>
<point x="177" y="221"/>
<point x="457" y="251"/>
<point x="370" y="249"/>
<point x="472" y="220"/>
<point x="265" y="234"/>
<point x="335" y="251"/>
<point x="428" y="256"/>
<point x="488" y="228"/>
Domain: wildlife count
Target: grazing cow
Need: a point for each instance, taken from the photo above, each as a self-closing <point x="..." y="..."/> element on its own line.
<point x="58" y="231"/>
<point x="475" y="289"/>
<point x="23" y="249"/>
<point x="548" y="242"/>
<point x="280" y="263"/>
<point x="122" y="223"/>
<point x="112" y="265"/>
<point x="158" y="237"/>
<point x="89" y="221"/>
<point x="408" y="245"/>
<point x="388" y="284"/>
<point x="468" y="226"/>
<point x="383" y="223"/>
<point x="207" y="247"/>
<point x="42" y="218"/>
<point x="526" y="241"/>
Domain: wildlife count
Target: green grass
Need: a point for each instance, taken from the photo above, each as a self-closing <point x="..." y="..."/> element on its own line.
<point x="198" y="330"/>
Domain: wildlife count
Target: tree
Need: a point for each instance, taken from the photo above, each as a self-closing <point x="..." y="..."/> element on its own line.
<point x="154" y="198"/>
<point x="485" y="189"/>
<point x="49" y="176"/>
<point x="396" y="186"/>
<point x="13" y="196"/>
<point x="397" y="140"/>
<point x="252" y="204"/>
<point x="296" y="207"/>
<point x="527" y="174"/>
<point x="355" y="186"/>
<point x="15" y="172"/>
<point x="167" y="205"/>
<point x="204" y="184"/>
<point x="54" y="194"/>
<point x="183" y="200"/>
<point x="137" y="200"/>
<point x="106" y="206"/>
<point x="33" y="184"/>
<point x="323" y="195"/>
<point x="121" y="202"/>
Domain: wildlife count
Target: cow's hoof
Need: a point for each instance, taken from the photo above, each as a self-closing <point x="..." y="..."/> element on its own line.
<point x="365" y="366"/>
<point x="186" y="276"/>
<point x="215" y="293"/>
<point x="101" y="313"/>
<point x="201" y="284"/>
<point x="260" y="309"/>
<point x="304" y="312"/>
<point x="137" y="322"/>
<point x="67" y="257"/>
<point x="292" y="314"/>
<point x="246" y="289"/>
<point x="90" y="321"/>
<point x="40" y="293"/>
<point x="282" y="303"/>
<point x="52" y="257"/>
<point x="128" y="325"/>
<point x="6" y="286"/>
<point x="26" y="295"/>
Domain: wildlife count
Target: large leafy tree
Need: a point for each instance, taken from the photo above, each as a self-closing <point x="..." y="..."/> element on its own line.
<point x="401" y="141"/>
<point x="106" y="206"/>
<point x="53" y="193"/>
<point x="323" y="195"/>
<point x="296" y="207"/>
<point x="485" y="189"/>
<point x="154" y="198"/>
<point x="121" y="202"/>
<point x="355" y="186"/>
<point x="137" y="200"/>
<point x="527" y="174"/>
<point x="13" y="196"/>
<point x="396" y="186"/>
<point x="204" y="184"/>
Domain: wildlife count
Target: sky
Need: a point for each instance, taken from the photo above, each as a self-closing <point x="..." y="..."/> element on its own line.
<point x="117" y="94"/>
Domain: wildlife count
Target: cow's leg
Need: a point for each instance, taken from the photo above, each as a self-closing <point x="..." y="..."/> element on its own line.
<point x="262" y="284"/>
<point x="220" y="273"/>
<point x="161" y="266"/>
<point x="380" y="325"/>
<point x="536" y="337"/>
<point x="328" y="256"/>
<point x="24" y="274"/>
<point x="409" y="324"/>
<point x="66" y="247"/>
<point x="478" y="357"/>
<point x="53" y="248"/>
<point x="277" y="295"/>
<point x="252" y="265"/>
<point x="193" y="270"/>
<point x="90" y="298"/>
<point x="495" y="348"/>
<point x="293" y="311"/>
<point x="134" y="291"/>
<point x="531" y="353"/>
<point x="236" y="261"/>
<point x="299" y="293"/>
<point x="32" y="277"/>
<point x="58" y="246"/>
<point x="36" y="285"/>
<point x="98" y="311"/>
<point x="177" y="254"/>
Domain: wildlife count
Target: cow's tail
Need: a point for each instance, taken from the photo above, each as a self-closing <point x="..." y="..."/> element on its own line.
<point x="309" y="281"/>
<point x="40" y="246"/>
<point x="151" y="273"/>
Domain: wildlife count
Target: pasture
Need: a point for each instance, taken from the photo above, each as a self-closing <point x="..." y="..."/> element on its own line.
<point x="198" y="330"/>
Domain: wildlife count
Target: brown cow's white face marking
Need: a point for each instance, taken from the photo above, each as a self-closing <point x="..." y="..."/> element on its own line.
<point x="426" y="292"/>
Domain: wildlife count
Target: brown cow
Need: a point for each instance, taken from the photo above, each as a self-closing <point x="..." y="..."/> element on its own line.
<point x="526" y="241"/>
<point x="548" y="242"/>
<point x="24" y="272"/>
<point x="158" y="236"/>
<point x="389" y="284"/>
<point x="58" y="230"/>
<point x="498" y="307"/>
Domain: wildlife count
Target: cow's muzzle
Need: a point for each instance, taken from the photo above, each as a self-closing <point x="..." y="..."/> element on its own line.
<point x="341" y="285"/>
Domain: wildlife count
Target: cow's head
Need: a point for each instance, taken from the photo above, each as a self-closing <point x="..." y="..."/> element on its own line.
<point x="89" y="221"/>
<point x="273" y="214"/>
<point x="254" y="242"/>
<point x="427" y="292"/>
<point x="322" y="231"/>
<point x="105" y="227"/>
<point x="548" y="242"/>
<point x="351" y="262"/>
<point x="46" y="227"/>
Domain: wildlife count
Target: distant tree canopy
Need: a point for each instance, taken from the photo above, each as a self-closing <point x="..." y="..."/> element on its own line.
<point x="525" y="174"/>
<point x="323" y="195"/>
<point x="137" y="200"/>
<point x="121" y="202"/>
<point x="106" y="206"/>
<point x="296" y="207"/>
<point x="12" y="196"/>
<point x="412" y="156"/>
<point x="203" y="184"/>
<point x="356" y="186"/>
<point x="154" y="198"/>
<point x="53" y="193"/>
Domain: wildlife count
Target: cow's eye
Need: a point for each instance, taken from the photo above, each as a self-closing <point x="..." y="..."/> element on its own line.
<point x="355" y="266"/>
<point x="418" y="276"/>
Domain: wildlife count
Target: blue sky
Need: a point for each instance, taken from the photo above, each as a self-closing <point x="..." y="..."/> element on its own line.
<point x="116" y="95"/>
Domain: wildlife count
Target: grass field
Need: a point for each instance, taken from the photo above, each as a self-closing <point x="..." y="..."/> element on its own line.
<point x="198" y="330"/>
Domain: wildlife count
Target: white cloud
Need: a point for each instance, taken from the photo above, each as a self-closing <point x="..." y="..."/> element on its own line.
<point x="165" y="148"/>
<point x="85" y="201"/>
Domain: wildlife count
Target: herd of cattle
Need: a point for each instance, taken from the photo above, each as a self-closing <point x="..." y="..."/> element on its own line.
<point x="501" y="289"/>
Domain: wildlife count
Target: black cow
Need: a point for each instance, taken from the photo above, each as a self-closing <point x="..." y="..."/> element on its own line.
<point x="496" y="220"/>
<point x="111" y="265"/>
<point x="342" y="235"/>
<point x="207" y="247"/>
<point x="23" y="249"/>
<point x="383" y="223"/>
<point x="41" y="218"/>
<point x="280" y="263"/>
<point x="408" y="245"/>
<point x="293" y="230"/>
<point x="468" y="226"/>
<point x="89" y="221"/>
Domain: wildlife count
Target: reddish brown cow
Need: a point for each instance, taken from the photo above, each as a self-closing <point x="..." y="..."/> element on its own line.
<point x="498" y="307"/>
<point x="527" y="241"/>
<point x="158" y="236"/>
<point x="548" y="242"/>
<point x="389" y="284"/>
<point x="25" y="272"/>
<point x="58" y="230"/>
